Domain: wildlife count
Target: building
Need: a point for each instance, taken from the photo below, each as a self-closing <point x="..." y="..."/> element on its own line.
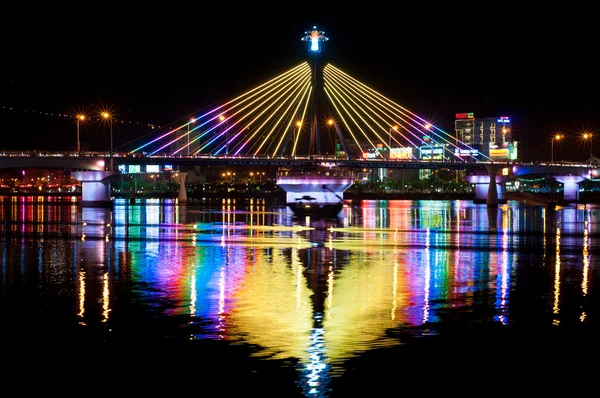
<point x="486" y="138"/>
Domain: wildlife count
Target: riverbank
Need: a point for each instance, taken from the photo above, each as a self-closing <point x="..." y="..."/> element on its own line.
<point x="534" y="199"/>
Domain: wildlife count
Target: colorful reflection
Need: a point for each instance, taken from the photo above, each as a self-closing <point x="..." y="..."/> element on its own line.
<point x="315" y="295"/>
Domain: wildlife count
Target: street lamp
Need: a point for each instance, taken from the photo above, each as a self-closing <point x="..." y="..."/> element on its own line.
<point x="395" y="128"/>
<point x="427" y="126"/>
<point x="192" y="120"/>
<point x="222" y="119"/>
<point x="296" y="133"/>
<point x="588" y="136"/>
<point x="106" y="116"/>
<point x="80" y="118"/>
<point x="557" y="137"/>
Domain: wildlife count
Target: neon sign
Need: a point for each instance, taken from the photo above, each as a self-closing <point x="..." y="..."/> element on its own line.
<point x="432" y="153"/>
<point x="467" y="115"/>
<point x="503" y="119"/>
<point x="466" y="152"/>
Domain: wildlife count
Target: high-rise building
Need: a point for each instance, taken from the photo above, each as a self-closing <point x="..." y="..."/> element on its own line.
<point x="491" y="137"/>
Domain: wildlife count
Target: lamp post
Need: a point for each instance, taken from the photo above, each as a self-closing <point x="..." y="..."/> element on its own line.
<point x="80" y="118"/>
<point x="557" y="137"/>
<point x="296" y="133"/>
<point x="106" y="116"/>
<point x="192" y="120"/>
<point x="588" y="136"/>
<point x="394" y="128"/>
<point x="222" y="119"/>
<point x="427" y="126"/>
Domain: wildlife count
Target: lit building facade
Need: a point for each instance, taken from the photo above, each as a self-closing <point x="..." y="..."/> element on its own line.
<point x="491" y="137"/>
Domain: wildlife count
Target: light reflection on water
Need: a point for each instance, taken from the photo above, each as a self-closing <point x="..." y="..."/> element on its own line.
<point x="317" y="292"/>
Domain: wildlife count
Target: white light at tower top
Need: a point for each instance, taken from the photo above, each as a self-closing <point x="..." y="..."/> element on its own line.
<point x="314" y="44"/>
<point x="315" y="37"/>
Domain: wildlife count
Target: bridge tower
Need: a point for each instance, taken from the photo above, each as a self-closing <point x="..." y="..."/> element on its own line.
<point x="315" y="38"/>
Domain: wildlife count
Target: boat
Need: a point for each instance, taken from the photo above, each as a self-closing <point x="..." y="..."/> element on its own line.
<point x="316" y="190"/>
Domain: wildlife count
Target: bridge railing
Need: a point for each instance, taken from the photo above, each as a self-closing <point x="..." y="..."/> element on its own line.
<point x="103" y="154"/>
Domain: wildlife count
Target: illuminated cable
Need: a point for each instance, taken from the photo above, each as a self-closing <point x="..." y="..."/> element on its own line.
<point x="335" y="82"/>
<point x="357" y="114"/>
<point x="292" y="85"/>
<point x="342" y="117"/>
<point x="399" y="108"/>
<point x="292" y="102"/>
<point x="293" y="116"/>
<point x="279" y="87"/>
<point x="263" y="86"/>
<point x="353" y="120"/>
<point x="372" y="99"/>
<point x="308" y="95"/>
<point x="305" y="77"/>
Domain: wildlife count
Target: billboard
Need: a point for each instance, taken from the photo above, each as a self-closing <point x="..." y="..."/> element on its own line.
<point x="467" y="115"/>
<point x="401" y="153"/>
<point x="152" y="168"/>
<point x="466" y="152"/>
<point x="432" y="152"/>
<point x="504" y="150"/>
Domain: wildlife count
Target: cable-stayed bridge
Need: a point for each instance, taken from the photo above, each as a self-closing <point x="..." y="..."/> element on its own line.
<point x="309" y="115"/>
<point x="274" y="119"/>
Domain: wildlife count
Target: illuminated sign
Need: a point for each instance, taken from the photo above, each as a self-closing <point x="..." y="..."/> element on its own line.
<point x="468" y="115"/>
<point x="504" y="151"/>
<point x="122" y="168"/>
<point x="168" y="167"/>
<point x="134" y="168"/>
<point x="432" y="152"/>
<point x="401" y="153"/>
<point x="369" y="155"/>
<point x="466" y="152"/>
<point x="503" y="119"/>
<point x="152" y="168"/>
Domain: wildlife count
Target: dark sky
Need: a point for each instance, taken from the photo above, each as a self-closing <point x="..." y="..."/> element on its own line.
<point x="159" y="65"/>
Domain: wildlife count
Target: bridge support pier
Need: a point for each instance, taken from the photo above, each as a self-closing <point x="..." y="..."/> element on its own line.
<point x="492" y="193"/>
<point x="182" y="190"/>
<point x="570" y="186"/>
<point x="488" y="189"/>
<point x="95" y="187"/>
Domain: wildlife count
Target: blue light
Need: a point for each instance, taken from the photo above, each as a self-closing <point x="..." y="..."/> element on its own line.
<point x="314" y="44"/>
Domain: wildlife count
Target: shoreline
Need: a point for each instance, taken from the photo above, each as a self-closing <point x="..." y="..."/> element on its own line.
<point x="530" y="198"/>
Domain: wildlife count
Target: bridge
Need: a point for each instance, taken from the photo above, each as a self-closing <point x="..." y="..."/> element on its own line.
<point x="311" y="114"/>
<point x="92" y="169"/>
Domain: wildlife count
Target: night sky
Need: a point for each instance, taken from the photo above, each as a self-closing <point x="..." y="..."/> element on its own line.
<point x="159" y="66"/>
